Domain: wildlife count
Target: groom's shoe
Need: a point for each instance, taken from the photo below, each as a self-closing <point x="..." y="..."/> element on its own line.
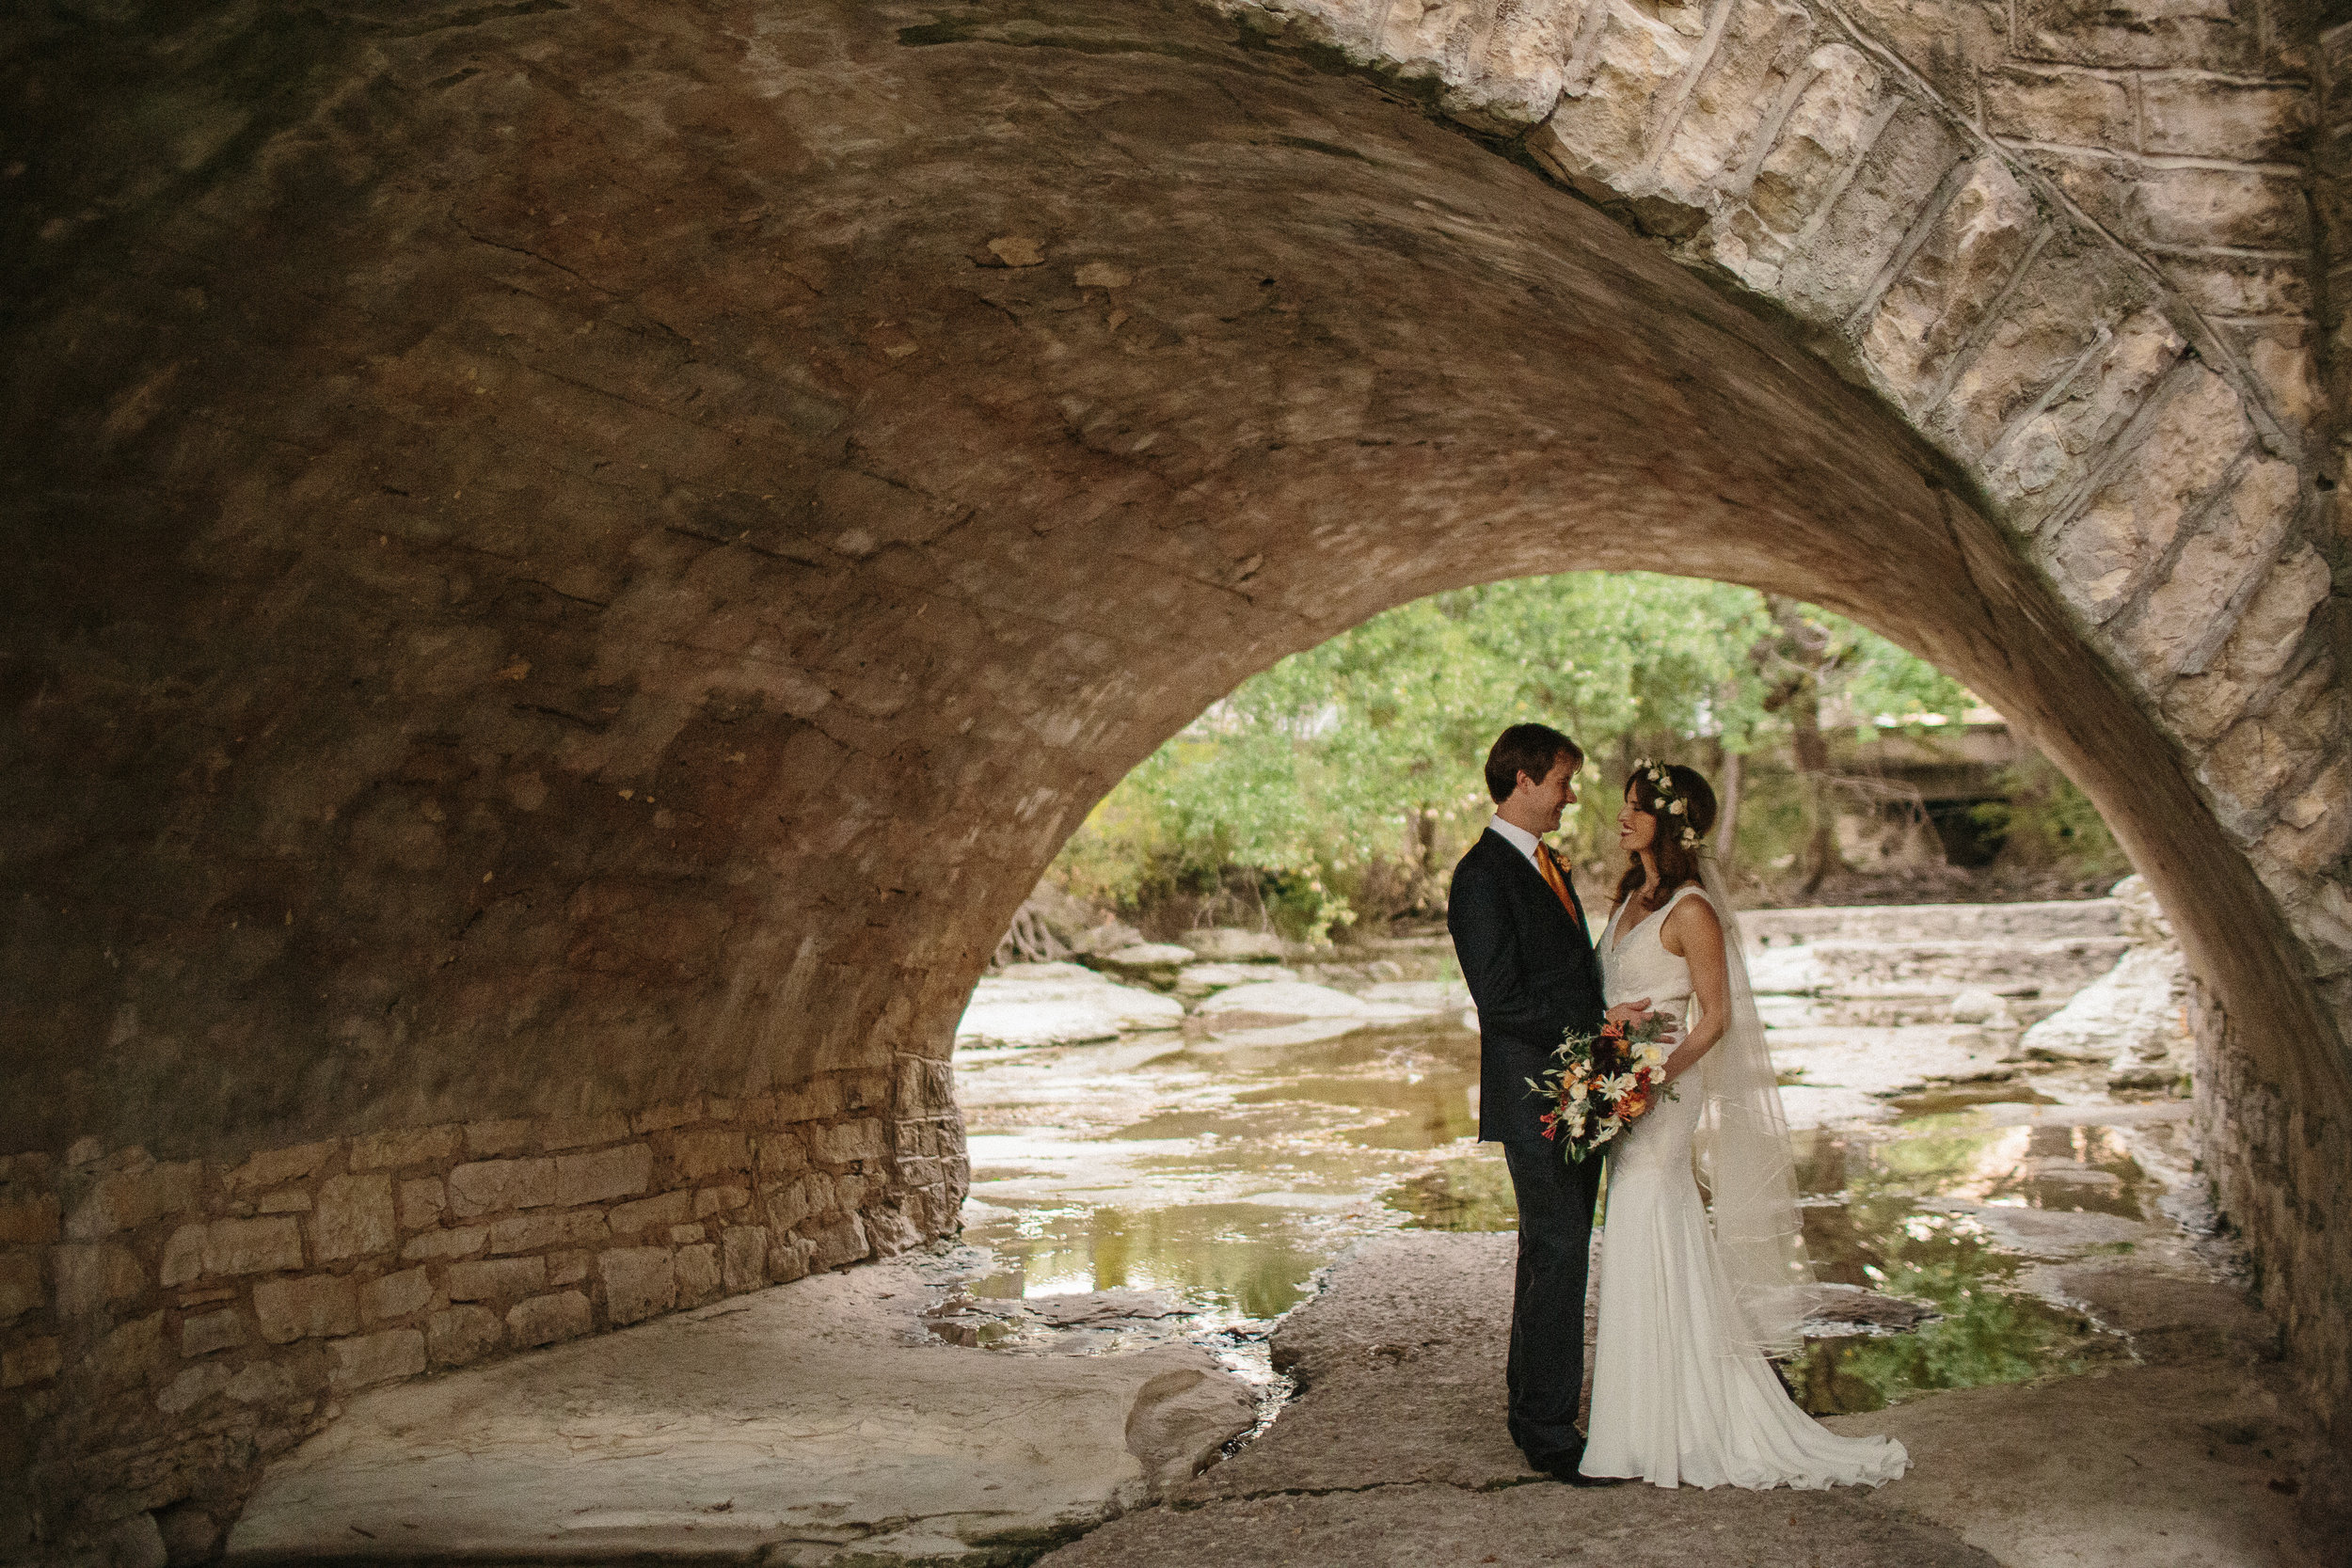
<point x="1562" y="1466"/>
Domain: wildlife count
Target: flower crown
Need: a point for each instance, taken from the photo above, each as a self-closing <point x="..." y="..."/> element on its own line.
<point x="1661" y="788"/>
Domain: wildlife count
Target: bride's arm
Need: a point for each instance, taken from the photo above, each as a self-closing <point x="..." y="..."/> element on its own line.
<point x="1693" y="934"/>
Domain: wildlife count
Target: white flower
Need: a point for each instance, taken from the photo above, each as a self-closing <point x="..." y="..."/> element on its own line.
<point x="1577" y="1092"/>
<point x="1618" y="1084"/>
<point x="1674" y="806"/>
<point x="1653" y="1055"/>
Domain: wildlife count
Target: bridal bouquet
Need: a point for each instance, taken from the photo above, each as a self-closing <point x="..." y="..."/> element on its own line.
<point x="1602" y="1084"/>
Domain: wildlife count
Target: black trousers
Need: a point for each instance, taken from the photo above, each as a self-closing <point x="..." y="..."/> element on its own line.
<point x="1546" y="1365"/>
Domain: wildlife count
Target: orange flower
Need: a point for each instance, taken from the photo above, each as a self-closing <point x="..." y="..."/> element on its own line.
<point x="1613" y="1031"/>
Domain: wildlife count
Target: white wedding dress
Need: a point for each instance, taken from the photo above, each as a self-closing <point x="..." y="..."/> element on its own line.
<point x="1682" y="1393"/>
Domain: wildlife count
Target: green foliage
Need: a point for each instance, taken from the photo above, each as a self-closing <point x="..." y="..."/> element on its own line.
<point x="2046" y="821"/>
<point x="1347" y="776"/>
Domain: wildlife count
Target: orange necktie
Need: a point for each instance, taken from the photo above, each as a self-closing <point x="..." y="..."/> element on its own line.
<point x="1550" y="865"/>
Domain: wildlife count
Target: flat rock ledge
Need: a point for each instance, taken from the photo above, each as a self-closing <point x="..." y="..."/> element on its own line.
<point x="824" y="1422"/>
<point x="1394" y="1451"/>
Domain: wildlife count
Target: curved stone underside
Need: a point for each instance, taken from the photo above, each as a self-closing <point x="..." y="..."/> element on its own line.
<point x="572" y="563"/>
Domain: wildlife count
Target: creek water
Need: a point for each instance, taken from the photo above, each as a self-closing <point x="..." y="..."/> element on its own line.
<point x="1226" y="1173"/>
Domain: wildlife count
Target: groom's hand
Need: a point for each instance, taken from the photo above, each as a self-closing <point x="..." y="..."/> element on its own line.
<point x="1634" y="1012"/>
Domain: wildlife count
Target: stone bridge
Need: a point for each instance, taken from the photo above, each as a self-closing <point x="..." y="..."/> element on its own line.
<point x="569" y="562"/>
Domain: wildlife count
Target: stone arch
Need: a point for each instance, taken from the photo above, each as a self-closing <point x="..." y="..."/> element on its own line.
<point x="575" y="566"/>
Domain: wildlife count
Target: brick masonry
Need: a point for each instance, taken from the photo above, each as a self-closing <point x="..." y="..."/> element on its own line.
<point x="535" y="599"/>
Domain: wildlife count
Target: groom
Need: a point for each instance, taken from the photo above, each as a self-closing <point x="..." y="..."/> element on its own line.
<point x="1521" y="939"/>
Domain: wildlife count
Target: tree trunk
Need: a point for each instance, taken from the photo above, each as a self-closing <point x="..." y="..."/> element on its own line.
<point x="1727" y="833"/>
<point x="1800" y="656"/>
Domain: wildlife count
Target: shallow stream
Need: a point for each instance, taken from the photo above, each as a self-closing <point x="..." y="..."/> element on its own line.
<point x="1225" y="1175"/>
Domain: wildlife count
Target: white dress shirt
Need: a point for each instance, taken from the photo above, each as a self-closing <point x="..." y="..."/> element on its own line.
<point x="1518" y="838"/>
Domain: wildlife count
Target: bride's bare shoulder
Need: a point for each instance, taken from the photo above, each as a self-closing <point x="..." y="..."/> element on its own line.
<point x="1691" y="926"/>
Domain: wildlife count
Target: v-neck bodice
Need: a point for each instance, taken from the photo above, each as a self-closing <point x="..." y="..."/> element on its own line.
<point x="1639" y="965"/>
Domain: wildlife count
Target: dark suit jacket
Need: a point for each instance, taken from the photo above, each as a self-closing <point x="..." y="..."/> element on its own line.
<point x="1531" y="969"/>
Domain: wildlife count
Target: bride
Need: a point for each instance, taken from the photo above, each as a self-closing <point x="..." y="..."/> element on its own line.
<point x="1682" y="1391"/>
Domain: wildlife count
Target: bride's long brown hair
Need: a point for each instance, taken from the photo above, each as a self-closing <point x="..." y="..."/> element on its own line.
<point x="1677" y="862"/>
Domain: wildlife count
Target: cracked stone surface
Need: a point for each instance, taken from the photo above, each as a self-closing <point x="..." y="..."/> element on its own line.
<point x="1394" y="1451"/>
<point x="807" y="1422"/>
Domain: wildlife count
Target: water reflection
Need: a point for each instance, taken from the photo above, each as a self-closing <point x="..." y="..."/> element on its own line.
<point x="1228" y="1178"/>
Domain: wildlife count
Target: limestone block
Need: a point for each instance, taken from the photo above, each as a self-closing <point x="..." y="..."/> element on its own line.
<point x="638" y="1282"/>
<point x="783" y="1150"/>
<point x="2053" y="104"/>
<point x="889" y="1232"/>
<point x="847" y="1142"/>
<point x="395" y="1295"/>
<point x="719" y="1200"/>
<point x="137" y="1541"/>
<point x="306" y="1306"/>
<point x="1867" y="225"/>
<point x="132" y="1354"/>
<point x="419" y="1146"/>
<point x="278" y="1166"/>
<point x="837" y="1245"/>
<point x="192" y="1386"/>
<point x="118" y="1200"/>
<point x="463" y="1241"/>
<point x="21" y="1289"/>
<point x="498" y="1278"/>
<point x="461" y="1334"/>
<point x="422" y="1200"/>
<point x="1833" y="122"/>
<point x="2211" y="35"/>
<point x="32" y="1222"/>
<point x="1610" y="101"/>
<point x="489" y="1185"/>
<point x="706" y="1152"/>
<point x="743" y="1261"/>
<point x="788" y="1203"/>
<point x="579" y="1131"/>
<point x="265" y="1382"/>
<point x="1735" y="100"/>
<point x="662" y="1118"/>
<point x="369" y="1359"/>
<point x="1948" y="41"/>
<point x="2187" y="611"/>
<point x="662" y="1208"/>
<point x="2314" y="828"/>
<point x="2284" y="358"/>
<point x="2194" y="205"/>
<point x="697" y="1272"/>
<point x="545" y="1320"/>
<point x="35" y="1361"/>
<point x="2223" y="284"/>
<point x="354" y="1217"/>
<point x="229" y="1247"/>
<point x="2035" y="460"/>
<point x="90" y="1276"/>
<point x="567" y="1268"/>
<point x="565" y="1227"/>
<point x="509" y="1136"/>
<point x="1940" y="297"/>
<point x="2209" y="117"/>
<point x="2097" y="556"/>
<point x="206" y="1332"/>
<point x="2268" y="632"/>
<point x="681" y="1235"/>
<point x="606" y="1174"/>
<point x="285" y="1200"/>
<point x="1502" y="61"/>
<point x="788" y="1259"/>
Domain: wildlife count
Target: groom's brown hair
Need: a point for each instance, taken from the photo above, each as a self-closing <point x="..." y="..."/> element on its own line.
<point x="1529" y="749"/>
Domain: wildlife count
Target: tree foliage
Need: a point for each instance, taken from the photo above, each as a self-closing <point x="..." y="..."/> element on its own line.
<point x="1351" y="770"/>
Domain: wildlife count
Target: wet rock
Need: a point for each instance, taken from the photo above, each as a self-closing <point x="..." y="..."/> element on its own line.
<point x="1293" y="999"/>
<point x="797" y="1421"/>
<point x="1060" y="1004"/>
<point x="1843" y="1308"/>
<point x="2134" y="1014"/>
<point x="1199" y="981"/>
<point x="1229" y="945"/>
<point x="1155" y="963"/>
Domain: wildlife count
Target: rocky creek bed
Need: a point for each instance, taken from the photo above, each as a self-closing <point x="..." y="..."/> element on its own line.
<point x="1228" y="1210"/>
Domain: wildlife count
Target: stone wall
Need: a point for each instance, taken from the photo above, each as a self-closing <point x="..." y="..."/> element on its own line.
<point x="533" y="595"/>
<point x="169" y="1324"/>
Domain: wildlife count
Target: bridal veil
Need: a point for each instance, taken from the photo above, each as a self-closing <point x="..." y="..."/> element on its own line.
<point x="1743" y="1159"/>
